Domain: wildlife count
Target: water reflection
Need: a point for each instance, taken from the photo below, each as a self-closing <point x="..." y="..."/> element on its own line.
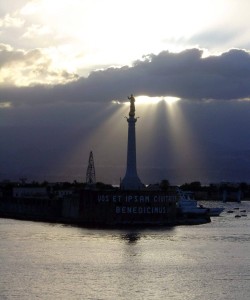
<point x="53" y="261"/>
<point x="131" y="237"/>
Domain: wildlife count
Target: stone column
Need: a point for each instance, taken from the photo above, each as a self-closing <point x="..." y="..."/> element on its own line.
<point x="131" y="181"/>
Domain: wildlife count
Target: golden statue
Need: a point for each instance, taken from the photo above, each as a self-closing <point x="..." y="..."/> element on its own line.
<point x="132" y="106"/>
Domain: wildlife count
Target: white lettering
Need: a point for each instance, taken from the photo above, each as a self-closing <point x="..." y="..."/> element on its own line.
<point x="129" y="210"/>
<point x="140" y="210"/>
<point x="141" y="199"/>
<point x="103" y="198"/>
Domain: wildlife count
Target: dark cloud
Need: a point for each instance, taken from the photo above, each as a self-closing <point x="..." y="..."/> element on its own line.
<point x="186" y="75"/>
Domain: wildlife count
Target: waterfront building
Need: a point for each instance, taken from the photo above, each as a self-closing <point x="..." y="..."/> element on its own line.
<point x="30" y="192"/>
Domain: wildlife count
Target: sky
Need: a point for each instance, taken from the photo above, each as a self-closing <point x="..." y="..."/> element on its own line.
<point x="68" y="67"/>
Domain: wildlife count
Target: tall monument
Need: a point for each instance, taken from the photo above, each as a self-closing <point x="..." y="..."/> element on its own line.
<point x="131" y="181"/>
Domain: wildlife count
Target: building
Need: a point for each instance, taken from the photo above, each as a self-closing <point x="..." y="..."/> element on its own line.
<point x="30" y="192"/>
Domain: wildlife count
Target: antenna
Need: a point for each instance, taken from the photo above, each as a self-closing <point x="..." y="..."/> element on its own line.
<point x="90" y="175"/>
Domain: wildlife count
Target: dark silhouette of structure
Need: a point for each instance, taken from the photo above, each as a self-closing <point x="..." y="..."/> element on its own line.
<point x="90" y="175"/>
<point x="131" y="180"/>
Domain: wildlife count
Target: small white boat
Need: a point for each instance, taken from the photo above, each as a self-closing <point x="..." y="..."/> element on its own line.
<point x="189" y="205"/>
<point x="215" y="211"/>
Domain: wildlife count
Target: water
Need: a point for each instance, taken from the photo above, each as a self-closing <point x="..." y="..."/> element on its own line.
<point x="53" y="261"/>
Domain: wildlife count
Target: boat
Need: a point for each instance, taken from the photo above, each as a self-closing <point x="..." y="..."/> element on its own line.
<point x="189" y="205"/>
<point x="215" y="211"/>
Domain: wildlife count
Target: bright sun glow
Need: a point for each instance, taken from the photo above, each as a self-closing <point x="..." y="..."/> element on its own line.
<point x="154" y="100"/>
<point x="83" y="36"/>
<point x="5" y="105"/>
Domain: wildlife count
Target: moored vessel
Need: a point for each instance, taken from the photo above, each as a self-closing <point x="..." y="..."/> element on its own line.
<point x="188" y="205"/>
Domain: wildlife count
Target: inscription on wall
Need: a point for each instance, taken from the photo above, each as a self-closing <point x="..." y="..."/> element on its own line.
<point x="138" y="204"/>
<point x="136" y="198"/>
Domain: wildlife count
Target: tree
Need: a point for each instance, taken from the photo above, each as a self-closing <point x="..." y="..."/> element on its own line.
<point x="164" y="185"/>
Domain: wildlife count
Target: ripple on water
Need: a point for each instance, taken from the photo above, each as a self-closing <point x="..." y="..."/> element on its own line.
<point x="52" y="261"/>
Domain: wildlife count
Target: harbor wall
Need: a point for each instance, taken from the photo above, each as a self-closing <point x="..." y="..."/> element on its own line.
<point x="96" y="208"/>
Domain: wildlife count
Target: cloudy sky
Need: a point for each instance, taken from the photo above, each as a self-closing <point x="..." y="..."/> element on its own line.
<point x="67" y="67"/>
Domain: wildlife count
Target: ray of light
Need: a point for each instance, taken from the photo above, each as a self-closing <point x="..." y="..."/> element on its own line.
<point x="148" y="100"/>
<point x="165" y="142"/>
<point x="188" y="157"/>
<point x="107" y="141"/>
<point x="146" y="108"/>
<point x="156" y="143"/>
<point x="171" y="150"/>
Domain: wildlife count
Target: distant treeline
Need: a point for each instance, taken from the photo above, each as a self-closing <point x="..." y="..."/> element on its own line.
<point x="209" y="192"/>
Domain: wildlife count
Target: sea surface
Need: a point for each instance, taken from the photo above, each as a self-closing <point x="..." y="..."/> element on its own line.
<point x="54" y="261"/>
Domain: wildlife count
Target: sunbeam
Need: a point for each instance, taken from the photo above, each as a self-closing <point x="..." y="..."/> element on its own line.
<point x="187" y="158"/>
<point x="107" y="141"/>
<point x="168" y="148"/>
